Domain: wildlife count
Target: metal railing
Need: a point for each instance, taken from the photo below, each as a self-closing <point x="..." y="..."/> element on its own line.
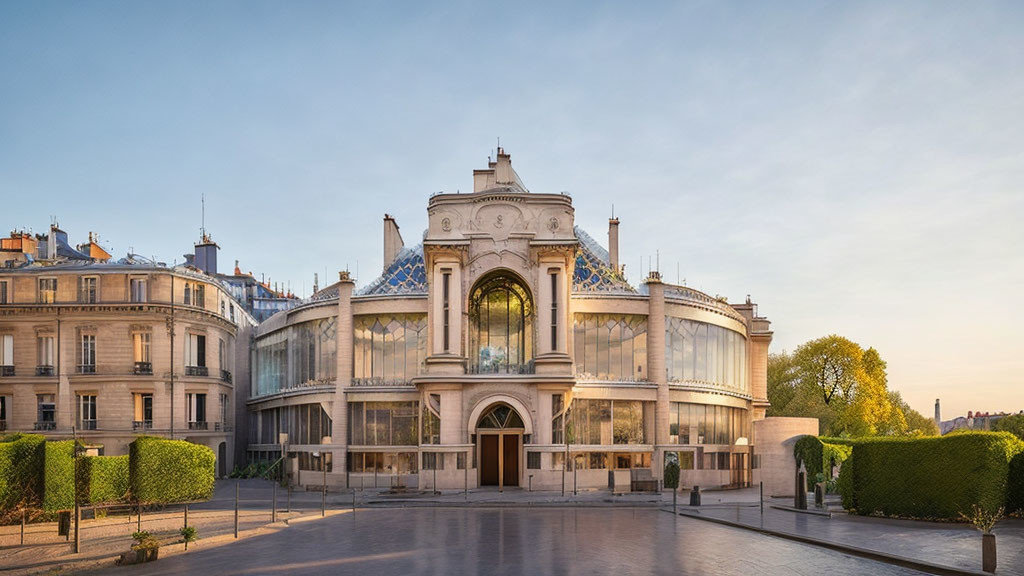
<point x="87" y="425"/>
<point x="142" y="424"/>
<point x="44" y="370"/>
<point x="3" y="425"/>
<point x="225" y="376"/>
<point x="197" y="426"/>
<point x="527" y="368"/>
<point x="6" y="370"/>
<point x="143" y="369"/>
<point x="45" y="426"/>
<point x="378" y="382"/>
<point x="86" y="368"/>
<point x="197" y="371"/>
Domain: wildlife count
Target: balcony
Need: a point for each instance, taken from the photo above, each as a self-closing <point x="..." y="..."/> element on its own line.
<point x="198" y="426"/>
<point x="502" y="368"/>
<point x="3" y="425"/>
<point x="143" y="369"/>
<point x="87" y="425"/>
<point x="360" y="382"/>
<point x="225" y="376"/>
<point x="44" y="370"/>
<point x="47" y="425"/>
<point x="142" y="425"/>
<point x="197" y="371"/>
<point x="86" y="368"/>
<point x="6" y="370"/>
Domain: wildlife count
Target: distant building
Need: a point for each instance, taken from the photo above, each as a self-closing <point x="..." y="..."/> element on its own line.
<point x="86" y="343"/>
<point x="973" y="421"/>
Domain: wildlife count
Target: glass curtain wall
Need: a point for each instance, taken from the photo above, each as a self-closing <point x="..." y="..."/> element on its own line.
<point x="696" y="351"/>
<point x="383" y="423"/>
<point x="605" y="422"/>
<point x="610" y="346"/>
<point x="301" y="355"/>
<point x="697" y="424"/>
<point x="389" y="349"/>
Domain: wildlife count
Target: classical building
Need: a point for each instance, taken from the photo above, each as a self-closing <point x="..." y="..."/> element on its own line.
<point x="508" y="349"/>
<point x="86" y="343"/>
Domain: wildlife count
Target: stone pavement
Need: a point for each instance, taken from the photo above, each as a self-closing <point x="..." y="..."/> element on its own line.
<point x="945" y="544"/>
<point x="508" y="541"/>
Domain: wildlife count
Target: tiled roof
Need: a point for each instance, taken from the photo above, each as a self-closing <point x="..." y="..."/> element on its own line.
<point x="593" y="272"/>
<point x="407" y="274"/>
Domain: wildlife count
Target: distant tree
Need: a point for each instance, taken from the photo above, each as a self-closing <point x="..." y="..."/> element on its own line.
<point x="1013" y="424"/>
<point x="844" y="386"/>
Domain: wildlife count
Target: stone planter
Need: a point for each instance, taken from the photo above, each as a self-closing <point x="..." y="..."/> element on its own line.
<point x="988" y="552"/>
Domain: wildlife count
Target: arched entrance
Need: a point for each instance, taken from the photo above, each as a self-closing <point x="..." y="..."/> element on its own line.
<point x="499" y="434"/>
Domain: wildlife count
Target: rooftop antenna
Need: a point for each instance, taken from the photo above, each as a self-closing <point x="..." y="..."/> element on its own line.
<point x="657" y="260"/>
<point x="202" y="229"/>
<point x="613" y="211"/>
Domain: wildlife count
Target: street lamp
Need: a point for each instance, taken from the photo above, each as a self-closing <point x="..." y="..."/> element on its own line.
<point x="323" y="493"/>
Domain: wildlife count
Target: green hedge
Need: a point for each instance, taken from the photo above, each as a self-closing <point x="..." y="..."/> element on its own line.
<point x="103" y="479"/>
<point x="59" y="488"/>
<point x="166" y="471"/>
<point x="937" y="477"/>
<point x="1015" y="485"/>
<point x="818" y="453"/>
<point x="845" y="483"/>
<point x="22" y="459"/>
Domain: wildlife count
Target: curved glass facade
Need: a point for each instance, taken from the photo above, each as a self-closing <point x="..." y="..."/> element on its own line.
<point x="705" y="353"/>
<point x="389" y="348"/>
<point x="300" y="355"/>
<point x="707" y="424"/>
<point x="610" y="346"/>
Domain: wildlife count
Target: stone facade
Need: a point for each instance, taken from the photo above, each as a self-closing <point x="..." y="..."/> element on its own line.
<point x="508" y="349"/>
<point x="97" y="355"/>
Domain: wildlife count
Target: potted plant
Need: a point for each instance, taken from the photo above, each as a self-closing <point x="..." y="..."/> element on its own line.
<point x="146" y="548"/>
<point x="984" y="520"/>
<point x="188" y="534"/>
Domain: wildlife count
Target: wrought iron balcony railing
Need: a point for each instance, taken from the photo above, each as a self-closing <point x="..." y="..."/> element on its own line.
<point x="47" y="425"/>
<point x="197" y="371"/>
<point x="142" y="424"/>
<point x="44" y="370"/>
<point x="225" y="376"/>
<point x="86" y="368"/>
<point x="87" y="425"/>
<point x="6" y="370"/>
<point x="197" y="426"/>
<point x="3" y="425"/>
<point x="502" y="368"/>
<point x="143" y="368"/>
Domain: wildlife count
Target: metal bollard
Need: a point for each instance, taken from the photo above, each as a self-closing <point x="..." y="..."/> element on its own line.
<point x="22" y="527"/>
<point x="273" y="505"/>
<point x="288" y="505"/>
<point x="236" y="509"/>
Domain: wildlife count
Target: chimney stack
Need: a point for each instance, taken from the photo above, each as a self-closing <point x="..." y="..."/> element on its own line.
<point x="613" y="244"/>
<point x="51" y="243"/>
<point x="938" y="414"/>
<point x="392" y="240"/>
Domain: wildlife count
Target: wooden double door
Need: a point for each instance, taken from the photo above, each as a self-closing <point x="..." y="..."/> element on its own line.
<point x="499" y="458"/>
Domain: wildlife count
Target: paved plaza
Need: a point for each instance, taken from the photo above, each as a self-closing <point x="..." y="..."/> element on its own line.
<point x="513" y="541"/>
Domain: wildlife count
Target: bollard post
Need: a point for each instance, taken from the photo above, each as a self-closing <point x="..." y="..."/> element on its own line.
<point x="273" y="505"/>
<point x="762" y="498"/>
<point x="236" y="509"/>
<point x="22" y="526"/>
<point x="288" y="505"/>
<point x="186" y="524"/>
<point x="465" y="482"/>
<point x="323" y="493"/>
<point x="530" y="489"/>
<point x="434" y="487"/>
<point x="574" y="479"/>
<point x="353" y="500"/>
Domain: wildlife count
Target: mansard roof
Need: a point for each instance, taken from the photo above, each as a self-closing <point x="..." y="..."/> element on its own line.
<point x="593" y="271"/>
<point x="407" y="274"/>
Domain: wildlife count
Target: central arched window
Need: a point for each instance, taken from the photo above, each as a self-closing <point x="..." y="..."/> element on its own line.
<point x="501" y="326"/>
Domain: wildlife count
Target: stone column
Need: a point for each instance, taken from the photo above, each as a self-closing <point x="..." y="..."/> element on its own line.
<point x="339" y="412"/>
<point x="656" y="367"/>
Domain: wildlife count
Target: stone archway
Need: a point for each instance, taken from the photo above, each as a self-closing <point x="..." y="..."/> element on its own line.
<point x="499" y="434"/>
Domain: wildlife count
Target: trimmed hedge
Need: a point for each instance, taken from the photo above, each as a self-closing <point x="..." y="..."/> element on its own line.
<point x="22" y="459"/>
<point x="1015" y="485"/>
<point x="168" y="471"/>
<point x="59" y="487"/>
<point x="103" y="479"/>
<point x="937" y="477"/>
<point x="818" y="454"/>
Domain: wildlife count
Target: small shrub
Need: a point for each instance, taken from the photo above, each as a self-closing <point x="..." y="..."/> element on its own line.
<point x="672" y="475"/>
<point x="982" y="519"/>
<point x="188" y="534"/>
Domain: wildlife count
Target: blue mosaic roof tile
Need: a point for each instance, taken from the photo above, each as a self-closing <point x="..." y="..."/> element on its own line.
<point x="593" y="272"/>
<point x="407" y="274"/>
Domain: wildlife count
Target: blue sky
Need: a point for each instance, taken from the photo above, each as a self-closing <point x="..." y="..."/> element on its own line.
<point x="855" y="167"/>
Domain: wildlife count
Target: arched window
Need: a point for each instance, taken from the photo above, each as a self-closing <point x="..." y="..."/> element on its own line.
<point x="501" y="326"/>
<point x="500" y="417"/>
